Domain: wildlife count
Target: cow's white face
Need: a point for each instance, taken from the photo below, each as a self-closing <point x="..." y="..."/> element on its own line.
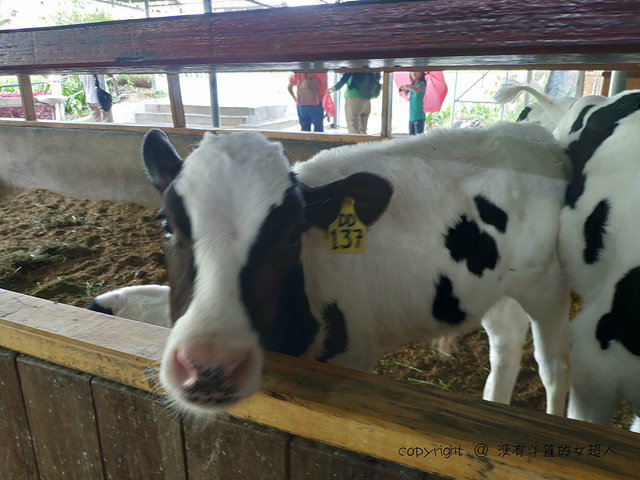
<point x="213" y="212"/>
<point x="234" y="215"/>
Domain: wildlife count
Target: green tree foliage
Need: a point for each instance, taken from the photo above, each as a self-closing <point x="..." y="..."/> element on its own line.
<point x="10" y="84"/>
<point x="9" y="81"/>
<point x="71" y="86"/>
<point x="80" y="13"/>
<point x="75" y="105"/>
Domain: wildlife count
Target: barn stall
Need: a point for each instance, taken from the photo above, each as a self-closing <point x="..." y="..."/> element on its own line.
<point x="77" y="389"/>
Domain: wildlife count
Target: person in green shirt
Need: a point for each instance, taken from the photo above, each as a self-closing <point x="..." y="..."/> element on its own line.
<point x="416" y="91"/>
<point x="357" y="106"/>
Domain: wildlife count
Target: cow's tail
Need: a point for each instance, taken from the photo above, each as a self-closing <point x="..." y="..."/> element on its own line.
<point x="510" y="91"/>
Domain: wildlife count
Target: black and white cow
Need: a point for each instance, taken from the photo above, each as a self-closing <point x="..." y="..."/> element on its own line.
<point x="456" y="221"/>
<point x="144" y="303"/>
<point x="600" y="245"/>
<point x="593" y="129"/>
<point x="548" y="112"/>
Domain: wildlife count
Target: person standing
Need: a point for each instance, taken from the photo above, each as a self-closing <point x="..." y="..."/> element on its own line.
<point x="416" y="91"/>
<point x="357" y="104"/>
<point x="90" y="84"/>
<point x="310" y="90"/>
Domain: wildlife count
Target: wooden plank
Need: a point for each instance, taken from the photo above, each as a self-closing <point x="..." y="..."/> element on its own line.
<point x="318" y="461"/>
<point x="353" y="410"/>
<point x="63" y="424"/>
<point x="17" y="459"/>
<point x="372" y="415"/>
<point x="193" y="130"/>
<point x="229" y="448"/>
<point x="175" y="96"/>
<point x="139" y="438"/>
<point x="120" y="350"/>
<point x="26" y="94"/>
<point x="391" y="35"/>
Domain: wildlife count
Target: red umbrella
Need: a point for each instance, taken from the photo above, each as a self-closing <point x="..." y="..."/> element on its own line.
<point x="435" y="91"/>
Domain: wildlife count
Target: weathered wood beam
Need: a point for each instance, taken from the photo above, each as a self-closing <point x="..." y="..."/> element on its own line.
<point x="175" y="97"/>
<point x="358" y="411"/>
<point x="353" y="35"/>
<point x="330" y="138"/>
<point x="26" y="93"/>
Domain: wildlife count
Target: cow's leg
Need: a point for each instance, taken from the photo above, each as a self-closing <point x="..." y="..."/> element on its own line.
<point x="548" y="307"/>
<point x="506" y="325"/>
<point x="589" y="399"/>
<point x="551" y="347"/>
<point x="594" y="381"/>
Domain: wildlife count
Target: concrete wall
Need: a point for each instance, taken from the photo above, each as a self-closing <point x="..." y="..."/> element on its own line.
<point x="82" y="164"/>
<point x="96" y="164"/>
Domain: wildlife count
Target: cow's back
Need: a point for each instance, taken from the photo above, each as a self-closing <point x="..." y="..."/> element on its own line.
<point x="599" y="231"/>
<point x="474" y="212"/>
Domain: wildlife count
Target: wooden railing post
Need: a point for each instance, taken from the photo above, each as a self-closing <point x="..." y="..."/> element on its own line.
<point x="175" y="97"/>
<point x="26" y="93"/>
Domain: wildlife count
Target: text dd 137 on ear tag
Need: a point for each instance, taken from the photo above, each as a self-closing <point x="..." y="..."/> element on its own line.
<point x="347" y="233"/>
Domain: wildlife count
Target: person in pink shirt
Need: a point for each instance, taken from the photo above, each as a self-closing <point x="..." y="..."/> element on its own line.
<point x="310" y="91"/>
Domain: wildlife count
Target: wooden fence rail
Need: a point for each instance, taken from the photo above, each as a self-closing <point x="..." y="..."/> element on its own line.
<point x="400" y="429"/>
<point x="381" y="35"/>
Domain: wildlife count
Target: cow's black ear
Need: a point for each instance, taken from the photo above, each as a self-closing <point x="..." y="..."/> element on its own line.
<point x="161" y="160"/>
<point x="370" y="192"/>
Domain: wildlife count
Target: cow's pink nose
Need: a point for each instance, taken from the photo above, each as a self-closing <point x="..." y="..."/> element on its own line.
<point x="210" y="372"/>
<point x="186" y="372"/>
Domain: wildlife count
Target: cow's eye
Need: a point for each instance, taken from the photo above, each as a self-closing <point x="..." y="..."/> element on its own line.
<point x="166" y="226"/>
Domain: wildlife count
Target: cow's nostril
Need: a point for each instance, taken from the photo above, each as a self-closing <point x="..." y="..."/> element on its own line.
<point x="186" y="372"/>
<point x="210" y="376"/>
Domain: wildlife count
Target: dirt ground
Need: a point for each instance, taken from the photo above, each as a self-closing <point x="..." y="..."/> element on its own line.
<point x="70" y="251"/>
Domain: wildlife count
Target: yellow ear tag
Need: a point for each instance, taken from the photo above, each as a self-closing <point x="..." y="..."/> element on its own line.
<point x="347" y="233"/>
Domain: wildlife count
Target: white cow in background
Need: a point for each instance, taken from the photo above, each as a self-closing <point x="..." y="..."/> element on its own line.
<point x="145" y="303"/>
<point x="599" y="238"/>
<point x="600" y="246"/>
<point x="548" y="112"/>
<point x="454" y="220"/>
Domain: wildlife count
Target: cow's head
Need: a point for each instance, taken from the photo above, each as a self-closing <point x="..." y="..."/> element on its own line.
<point x="234" y="214"/>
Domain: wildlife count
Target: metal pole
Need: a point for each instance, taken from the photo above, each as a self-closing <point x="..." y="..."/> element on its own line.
<point x="337" y="102"/>
<point x="213" y="83"/>
<point x="148" y="12"/>
<point x="215" y="105"/>
<point x="453" y="104"/>
<point x="618" y="82"/>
